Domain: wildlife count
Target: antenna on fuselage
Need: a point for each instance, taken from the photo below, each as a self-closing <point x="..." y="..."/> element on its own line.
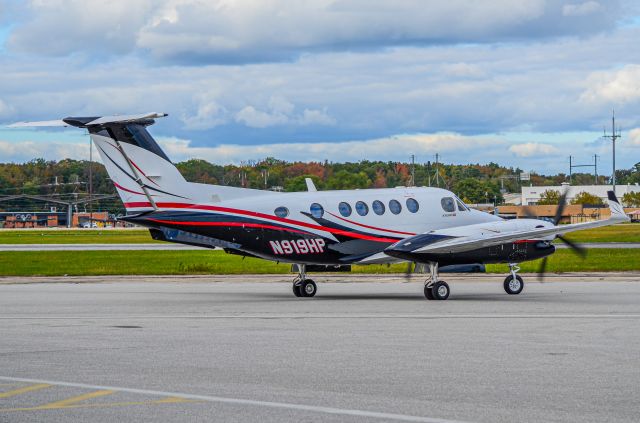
<point x="311" y="187"/>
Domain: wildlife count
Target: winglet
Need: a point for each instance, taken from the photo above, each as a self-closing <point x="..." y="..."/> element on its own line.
<point x="617" y="212"/>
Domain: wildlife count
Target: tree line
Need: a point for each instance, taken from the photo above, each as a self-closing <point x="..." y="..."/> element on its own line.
<point x="474" y="183"/>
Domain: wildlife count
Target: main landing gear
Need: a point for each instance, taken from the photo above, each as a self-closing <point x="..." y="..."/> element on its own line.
<point x="435" y="289"/>
<point x="303" y="287"/>
<point x="513" y="284"/>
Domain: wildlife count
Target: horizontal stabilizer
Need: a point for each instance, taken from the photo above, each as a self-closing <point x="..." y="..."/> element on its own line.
<point x="42" y="123"/>
<point x="83" y="122"/>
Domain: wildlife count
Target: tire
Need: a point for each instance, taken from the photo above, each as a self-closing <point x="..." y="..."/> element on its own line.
<point x="513" y="287"/>
<point x="428" y="293"/>
<point x="308" y="288"/>
<point x="296" y="290"/>
<point x="440" y="291"/>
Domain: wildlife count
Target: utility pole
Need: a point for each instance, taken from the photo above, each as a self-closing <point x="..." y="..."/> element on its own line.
<point x="90" y="182"/>
<point x="413" y="170"/>
<point x="437" y="171"/>
<point x="613" y="137"/>
<point x="594" y="166"/>
<point x="429" y="171"/>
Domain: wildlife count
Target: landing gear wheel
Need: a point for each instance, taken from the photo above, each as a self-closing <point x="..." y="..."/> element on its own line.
<point x="296" y="290"/>
<point x="308" y="288"/>
<point x="513" y="286"/>
<point x="440" y="290"/>
<point x="428" y="292"/>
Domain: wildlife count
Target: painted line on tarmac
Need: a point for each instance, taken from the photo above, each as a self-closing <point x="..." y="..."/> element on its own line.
<point x="333" y="316"/>
<point x="242" y="401"/>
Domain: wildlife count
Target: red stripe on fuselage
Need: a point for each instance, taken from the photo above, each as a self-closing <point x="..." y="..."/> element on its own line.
<point x="263" y="216"/>
<point x="247" y="225"/>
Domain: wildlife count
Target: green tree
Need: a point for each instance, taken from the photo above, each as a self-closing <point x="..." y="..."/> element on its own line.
<point x="348" y="180"/>
<point x="298" y="183"/>
<point x="478" y="191"/>
<point x="586" y="198"/>
<point x="549" y="197"/>
<point x="631" y="199"/>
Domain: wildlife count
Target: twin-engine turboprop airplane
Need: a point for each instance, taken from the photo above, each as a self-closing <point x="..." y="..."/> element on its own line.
<point x="371" y="226"/>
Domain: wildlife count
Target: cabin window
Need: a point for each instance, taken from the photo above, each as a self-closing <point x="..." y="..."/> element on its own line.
<point x="361" y="208"/>
<point x="461" y="205"/>
<point x="378" y="207"/>
<point x="316" y="210"/>
<point x="448" y="204"/>
<point x="395" y="207"/>
<point x="344" y="209"/>
<point x="412" y="205"/>
<point x="281" y="211"/>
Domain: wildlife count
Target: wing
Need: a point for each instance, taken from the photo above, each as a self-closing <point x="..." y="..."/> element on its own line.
<point x="480" y="240"/>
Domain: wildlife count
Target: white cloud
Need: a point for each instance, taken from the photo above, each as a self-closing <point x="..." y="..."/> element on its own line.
<point x="24" y="151"/>
<point x="316" y="117"/>
<point x="281" y="112"/>
<point x="61" y="27"/>
<point x="209" y="115"/>
<point x="634" y="137"/>
<point x="259" y="119"/>
<point x="581" y="9"/>
<point x="224" y="31"/>
<point x="531" y="149"/>
<point x="617" y="86"/>
<point x="5" y="109"/>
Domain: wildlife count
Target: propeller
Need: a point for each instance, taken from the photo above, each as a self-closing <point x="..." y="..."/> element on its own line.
<point x="576" y="248"/>
<point x="409" y="271"/>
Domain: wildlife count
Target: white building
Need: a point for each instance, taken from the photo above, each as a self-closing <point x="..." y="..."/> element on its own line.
<point x="531" y="195"/>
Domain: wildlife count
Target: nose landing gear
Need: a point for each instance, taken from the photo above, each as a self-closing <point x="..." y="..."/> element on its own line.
<point x="513" y="284"/>
<point x="435" y="289"/>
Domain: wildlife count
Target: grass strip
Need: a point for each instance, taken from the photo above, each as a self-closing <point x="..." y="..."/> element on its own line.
<point x="624" y="232"/>
<point x="79" y="236"/>
<point x="86" y="263"/>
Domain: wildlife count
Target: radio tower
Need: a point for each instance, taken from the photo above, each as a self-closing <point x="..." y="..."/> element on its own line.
<point x="615" y="134"/>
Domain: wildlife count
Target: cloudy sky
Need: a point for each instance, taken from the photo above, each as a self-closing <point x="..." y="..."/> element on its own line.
<point x="522" y="83"/>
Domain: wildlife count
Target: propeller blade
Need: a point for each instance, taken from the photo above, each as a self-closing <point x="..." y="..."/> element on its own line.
<point x="578" y="249"/>
<point x="542" y="269"/>
<point x="562" y="203"/>
<point x="528" y="213"/>
<point x="409" y="271"/>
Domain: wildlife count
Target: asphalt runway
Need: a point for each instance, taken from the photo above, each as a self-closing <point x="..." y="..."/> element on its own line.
<point x="150" y="349"/>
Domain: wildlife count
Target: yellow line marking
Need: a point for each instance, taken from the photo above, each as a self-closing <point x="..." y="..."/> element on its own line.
<point x="71" y="401"/>
<point x="170" y="400"/>
<point x="26" y="389"/>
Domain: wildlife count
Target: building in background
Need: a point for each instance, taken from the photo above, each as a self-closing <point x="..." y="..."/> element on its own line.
<point x="531" y="195"/>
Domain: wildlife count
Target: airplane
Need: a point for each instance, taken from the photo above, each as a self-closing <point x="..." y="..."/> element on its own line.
<point x="429" y="226"/>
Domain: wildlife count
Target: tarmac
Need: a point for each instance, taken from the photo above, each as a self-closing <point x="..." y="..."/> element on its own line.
<point x="243" y="349"/>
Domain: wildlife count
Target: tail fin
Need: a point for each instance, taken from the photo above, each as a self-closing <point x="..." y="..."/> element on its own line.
<point x="142" y="173"/>
<point x="617" y="212"/>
